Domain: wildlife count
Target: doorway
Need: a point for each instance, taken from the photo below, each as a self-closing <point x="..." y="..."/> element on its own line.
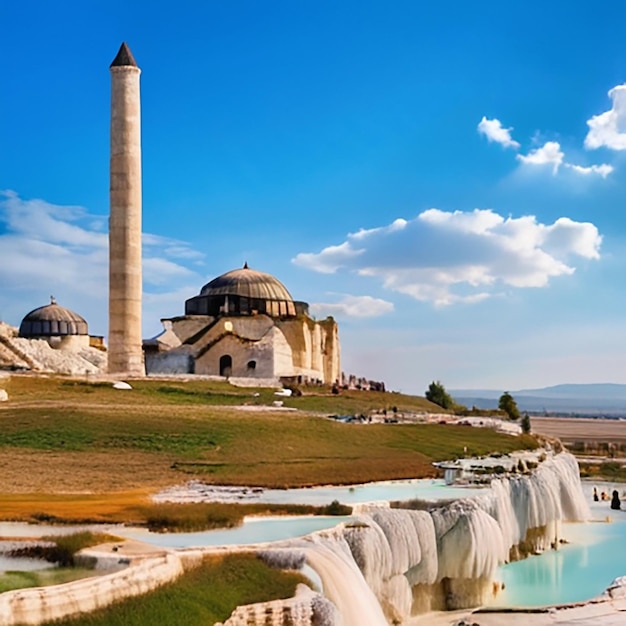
<point x="226" y="365"/>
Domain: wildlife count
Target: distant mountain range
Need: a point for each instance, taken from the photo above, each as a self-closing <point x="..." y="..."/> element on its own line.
<point x="589" y="399"/>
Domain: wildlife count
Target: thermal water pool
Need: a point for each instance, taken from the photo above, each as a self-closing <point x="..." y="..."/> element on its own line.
<point x="19" y="564"/>
<point x="575" y="572"/>
<point x="424" y="489"/>
<point x="253" y="530"/>
<point x="260" y="530"/>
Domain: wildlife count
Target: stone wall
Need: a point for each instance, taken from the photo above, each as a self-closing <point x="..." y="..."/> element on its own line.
<point x="175" y="361"/>
<point x="279" y="348"/>
<point x="187" y="326"/>
<point x="242" y="353"/>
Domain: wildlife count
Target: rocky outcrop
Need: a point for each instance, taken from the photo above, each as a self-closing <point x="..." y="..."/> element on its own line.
<point x="19" y="353"/>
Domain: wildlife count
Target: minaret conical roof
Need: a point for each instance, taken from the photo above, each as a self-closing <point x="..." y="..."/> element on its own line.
<point x="124" y="57"/>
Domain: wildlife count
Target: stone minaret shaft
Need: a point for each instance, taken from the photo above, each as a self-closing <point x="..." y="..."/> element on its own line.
<point x="125" y="353"/>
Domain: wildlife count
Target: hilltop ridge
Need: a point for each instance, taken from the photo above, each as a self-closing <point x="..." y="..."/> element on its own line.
<point x="583" y="398"/>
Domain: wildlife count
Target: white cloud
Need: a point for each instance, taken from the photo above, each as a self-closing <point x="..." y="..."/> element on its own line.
<point x="317" y="262"/>
<point x="604" y="130"/>
<point x="447" y="257"/>
<point x="548" y="154"/>
<point x="353" y="306"/>
<point x="51" y="249"/>
<point x="173" y="248"/>
<point x="160" y="271"/>
<point x="608" y="129"/>
<point x="602" y="170"/>
<point x="42" y="221"/>
<point x="494" y="131"/>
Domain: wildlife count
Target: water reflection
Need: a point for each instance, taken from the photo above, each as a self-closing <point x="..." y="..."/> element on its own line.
<point x="9" y="564"/>
<point x="575" y="572"/>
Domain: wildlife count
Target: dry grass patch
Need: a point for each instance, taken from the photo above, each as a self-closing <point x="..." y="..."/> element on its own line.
<point x="24" y="470"/>
<point x="80" y="508"/>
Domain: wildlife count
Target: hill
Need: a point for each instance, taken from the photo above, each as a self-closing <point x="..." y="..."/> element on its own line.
<point x="595" y="398"/>
<point x="66" y="441"/>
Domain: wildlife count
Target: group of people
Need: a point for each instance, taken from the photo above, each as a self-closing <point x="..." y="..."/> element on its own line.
<point x="615" y="501"/>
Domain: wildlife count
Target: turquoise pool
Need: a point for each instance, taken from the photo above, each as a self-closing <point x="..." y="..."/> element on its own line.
<point x="576" y="572"/>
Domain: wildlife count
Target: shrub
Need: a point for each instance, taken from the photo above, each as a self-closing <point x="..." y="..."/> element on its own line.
<point x="62" y="549"/>
<point x="336" y="508"/>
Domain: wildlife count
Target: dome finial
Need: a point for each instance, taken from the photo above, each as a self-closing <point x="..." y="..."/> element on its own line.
<point x="245" y="265"/>
<point x="53" y="300"/>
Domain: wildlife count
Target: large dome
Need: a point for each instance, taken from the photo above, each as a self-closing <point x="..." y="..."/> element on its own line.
<point x="249" y="284"/>
<point x="245" y="292"/>
<point x="52" y="320"/>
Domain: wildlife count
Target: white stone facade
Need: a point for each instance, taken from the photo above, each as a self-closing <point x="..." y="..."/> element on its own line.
<point x="258" y="347"/>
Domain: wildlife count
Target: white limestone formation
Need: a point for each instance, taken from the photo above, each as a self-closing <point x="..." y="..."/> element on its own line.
<point x="125" y="342"/>
<point x="304" y="609"/>
<point x="343" y="583"/>
<point x="414" y="561"/>
<point x="37" y="355"/>
<point x="41" y="604"/>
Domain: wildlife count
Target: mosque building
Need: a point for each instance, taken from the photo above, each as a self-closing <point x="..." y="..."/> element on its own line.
<point x="242" y="324"/>
<point x="245" y="324"/>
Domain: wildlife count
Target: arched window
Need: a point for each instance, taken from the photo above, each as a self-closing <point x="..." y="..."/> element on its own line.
<point x="226" y="365"/>
<point x="251" y="366"/>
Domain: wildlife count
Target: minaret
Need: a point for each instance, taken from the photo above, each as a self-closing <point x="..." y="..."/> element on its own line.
<point x="125" y="349"/>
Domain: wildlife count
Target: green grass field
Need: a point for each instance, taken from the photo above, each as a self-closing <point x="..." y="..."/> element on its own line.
<point x="42" y="578"/>
<point x="147" y="392"/>
<point x="71" y="449"/>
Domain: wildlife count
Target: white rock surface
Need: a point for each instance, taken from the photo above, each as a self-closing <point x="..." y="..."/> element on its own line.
<point x="36" y="354"/>
<point x="120" y="384"/>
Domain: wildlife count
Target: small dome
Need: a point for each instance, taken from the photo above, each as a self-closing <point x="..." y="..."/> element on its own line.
<point x="52" y="320"/>
<point x="249" y="284"/>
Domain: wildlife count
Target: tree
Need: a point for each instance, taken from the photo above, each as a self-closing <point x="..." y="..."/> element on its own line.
<point x="437" y="394"/>
<point x="509" y="406"/>
<point x="526" y="424"/>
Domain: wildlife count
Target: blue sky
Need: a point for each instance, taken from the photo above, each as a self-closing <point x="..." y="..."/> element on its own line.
<point x="446" y="179"/>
